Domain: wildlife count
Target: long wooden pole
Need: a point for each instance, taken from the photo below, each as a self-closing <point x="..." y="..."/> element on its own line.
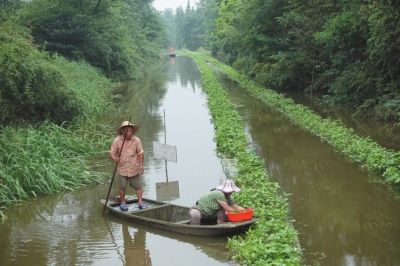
<point x="165" y="142"/>
<point x="115" y="169"/>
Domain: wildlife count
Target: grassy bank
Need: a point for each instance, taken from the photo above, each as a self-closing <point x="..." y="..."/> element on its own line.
<point x="47" y="158"/>
<point x="273" y="240"/>
<point x="366" y="152"/>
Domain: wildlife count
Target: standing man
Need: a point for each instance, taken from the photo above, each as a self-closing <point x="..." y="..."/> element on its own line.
<point x="130" y="161"/>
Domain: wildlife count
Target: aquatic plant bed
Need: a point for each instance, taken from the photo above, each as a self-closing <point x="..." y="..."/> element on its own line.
<point x="273" y="240"/>
<point x="364" y="151"/>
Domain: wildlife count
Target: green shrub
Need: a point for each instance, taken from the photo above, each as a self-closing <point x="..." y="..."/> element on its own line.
<point x="31" y="87"/>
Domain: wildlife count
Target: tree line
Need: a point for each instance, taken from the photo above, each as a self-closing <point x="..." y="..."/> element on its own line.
<point x="116" y="37"/>
<point x="343" y="53"/>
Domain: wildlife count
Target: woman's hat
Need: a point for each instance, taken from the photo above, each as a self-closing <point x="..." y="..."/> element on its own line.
<point x="127" y="124"/>
<point x="228" y="186"/>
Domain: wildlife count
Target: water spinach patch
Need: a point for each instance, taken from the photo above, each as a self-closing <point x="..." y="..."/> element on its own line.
<point x="273" y="241"/>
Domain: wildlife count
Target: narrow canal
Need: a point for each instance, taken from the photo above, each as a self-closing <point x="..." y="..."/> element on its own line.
<point x="343" y="217"/>
<point x="69" y="229"/>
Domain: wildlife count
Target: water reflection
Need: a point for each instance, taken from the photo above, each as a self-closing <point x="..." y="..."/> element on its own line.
<point x="55" y="229"/>
<point x="189" y="75"/>
<point x="135" y="242"/>
<point x="135" y="250"/>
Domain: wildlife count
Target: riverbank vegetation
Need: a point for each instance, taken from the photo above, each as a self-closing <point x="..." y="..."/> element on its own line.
<point x="364" y="151"/>
<point x="44" y="157"/>
<point x="273" y="241"/>
<point x="116" y="37"/>
<point x="59" y="62"/>
<point x="341" y="53"/>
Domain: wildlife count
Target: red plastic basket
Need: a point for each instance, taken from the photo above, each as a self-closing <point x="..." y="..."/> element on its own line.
<point x="240" y="216"/>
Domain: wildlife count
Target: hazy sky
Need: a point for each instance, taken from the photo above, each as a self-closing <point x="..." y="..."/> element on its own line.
<point x="160" y="5"/>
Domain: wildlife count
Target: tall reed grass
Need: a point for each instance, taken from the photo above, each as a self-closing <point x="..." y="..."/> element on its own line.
<point x="45" y="159"/>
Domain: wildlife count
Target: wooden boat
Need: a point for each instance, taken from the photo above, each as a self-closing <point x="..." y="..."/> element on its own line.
<point x="174" y="218"/>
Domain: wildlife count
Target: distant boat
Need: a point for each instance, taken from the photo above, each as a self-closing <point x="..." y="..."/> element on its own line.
<point x="174" y="218"/>
<point x="172" y="54"/>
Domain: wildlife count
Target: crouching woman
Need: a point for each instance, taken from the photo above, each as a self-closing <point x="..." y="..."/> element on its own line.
<point x="215" y="203"/>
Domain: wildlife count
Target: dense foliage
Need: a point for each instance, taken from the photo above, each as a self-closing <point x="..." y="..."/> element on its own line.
<point x="342" y="52"/>
<point x="190" y="27"/>
<point x="115" y="36"/>
<point x="31" y="86"/>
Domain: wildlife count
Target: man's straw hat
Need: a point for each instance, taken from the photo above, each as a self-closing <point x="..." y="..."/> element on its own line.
<point x="127" y="124"/>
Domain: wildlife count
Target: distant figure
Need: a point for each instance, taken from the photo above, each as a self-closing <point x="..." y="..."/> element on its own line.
<point x="130" y="161"/>
<point x="215" y="203"/>
<point x="171" y="52"/>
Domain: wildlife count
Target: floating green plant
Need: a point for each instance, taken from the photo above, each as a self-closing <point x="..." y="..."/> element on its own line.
<point x="273" y="241"/>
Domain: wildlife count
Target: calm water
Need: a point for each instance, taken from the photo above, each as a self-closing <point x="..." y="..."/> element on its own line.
<point x="342" y="217"/>
<point x="69" y="229"/>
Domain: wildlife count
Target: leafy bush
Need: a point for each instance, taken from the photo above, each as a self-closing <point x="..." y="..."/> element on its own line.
<point x="31" y="87"/>
<point x="114" y="36"/>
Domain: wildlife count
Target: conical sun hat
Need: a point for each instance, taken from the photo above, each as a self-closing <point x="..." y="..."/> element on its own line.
<point x="228" y="186"/>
